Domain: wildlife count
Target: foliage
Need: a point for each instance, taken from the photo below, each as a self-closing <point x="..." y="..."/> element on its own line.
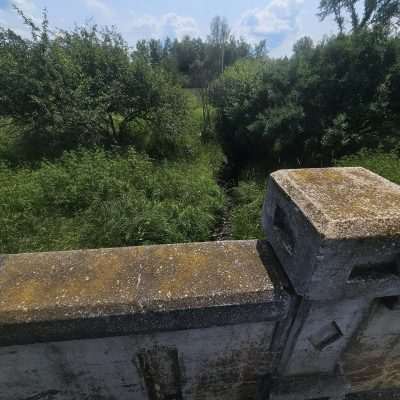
<point x="384" y="164"/>
<point x="9" y="134"/>
<point x="81" y="88"/>
<point x="195" y="62"/>
<point x="245" y="218"/>
<point x="328" y="100"/>
<point x="234" y="95"/>
<point x="101" y="145"/>
<point x="380" y="14"/>
<point x="96" y="199"/>
<point x="220" y="33"/>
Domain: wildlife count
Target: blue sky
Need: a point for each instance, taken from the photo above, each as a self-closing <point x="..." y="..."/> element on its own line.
<point x="280" y="22"/>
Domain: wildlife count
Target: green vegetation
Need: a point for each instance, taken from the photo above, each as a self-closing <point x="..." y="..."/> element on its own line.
<point x="327" y="101"/>
<point x="99" y="147"/>
<point x="82" y="88"/>
<point x="99" y="199"/>
<point x="245" y="220"/>
<point x="172" y="142"/>
<point x="384" y="164"/>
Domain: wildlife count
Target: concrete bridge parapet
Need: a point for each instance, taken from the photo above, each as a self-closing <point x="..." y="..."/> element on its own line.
<point x="310" y="313"/>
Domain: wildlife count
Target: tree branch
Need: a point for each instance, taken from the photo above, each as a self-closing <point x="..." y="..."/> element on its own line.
<point x="111" y="119"/>
<point x="354" y="17"/>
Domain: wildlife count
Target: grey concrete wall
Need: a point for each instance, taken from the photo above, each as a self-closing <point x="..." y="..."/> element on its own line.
<point x="196" y="321"/>
<point x="313" y="313"/>
<point x="372" y="360"/>
<point x="227" y="362"/>
<point x="336" y="233"/>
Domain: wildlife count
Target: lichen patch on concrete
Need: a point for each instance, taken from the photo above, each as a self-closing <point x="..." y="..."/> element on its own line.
<point x="344" y="202"/>
<point x="100" y="283"/>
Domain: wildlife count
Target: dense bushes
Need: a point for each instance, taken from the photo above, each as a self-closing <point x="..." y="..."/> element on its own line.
<point x="326" y="101"/>
<point x="95" y="199"/>
<point x="83" y="88"/>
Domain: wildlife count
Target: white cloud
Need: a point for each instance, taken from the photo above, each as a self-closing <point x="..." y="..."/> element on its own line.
<point x="99" y="6"/>
<point x="169" y="24"/>
<point x="25" y="5"/>
<point x="282" y="23"/>
<point x="277" y="19"/>
<point x="179" y="25"/>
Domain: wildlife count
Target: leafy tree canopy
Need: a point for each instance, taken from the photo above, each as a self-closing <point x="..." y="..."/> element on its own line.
<point x="326" y="101"/>
<point x="382" y="14"/>
<point x="82" y="88"/>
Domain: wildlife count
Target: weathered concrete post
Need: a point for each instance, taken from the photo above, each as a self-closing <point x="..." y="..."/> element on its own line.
<point x="336" y="232"/>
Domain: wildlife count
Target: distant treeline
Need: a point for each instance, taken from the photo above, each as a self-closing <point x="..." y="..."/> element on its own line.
<point x="194" y="62"/>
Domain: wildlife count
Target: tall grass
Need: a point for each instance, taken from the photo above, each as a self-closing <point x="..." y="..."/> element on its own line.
<point x="91" y="199"/>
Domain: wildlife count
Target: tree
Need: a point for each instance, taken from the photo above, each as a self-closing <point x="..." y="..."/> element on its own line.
<point x="81" y="88"/>
<point x="235" y="96"/>
<point x="382" y="14"/>
<point x="156" y="51"/>
<point x="260" y="49"/>
<point x="325" y="101"/>
<point x="219" y="36"/>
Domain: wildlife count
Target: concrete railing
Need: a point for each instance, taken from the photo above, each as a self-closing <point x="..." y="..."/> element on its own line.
<point x="311" y="314"/>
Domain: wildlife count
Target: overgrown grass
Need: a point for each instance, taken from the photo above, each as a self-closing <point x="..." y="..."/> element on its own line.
<point x="384" y="164"/>
<point x="246" y="214"/>
<point x="91" y="199"/>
